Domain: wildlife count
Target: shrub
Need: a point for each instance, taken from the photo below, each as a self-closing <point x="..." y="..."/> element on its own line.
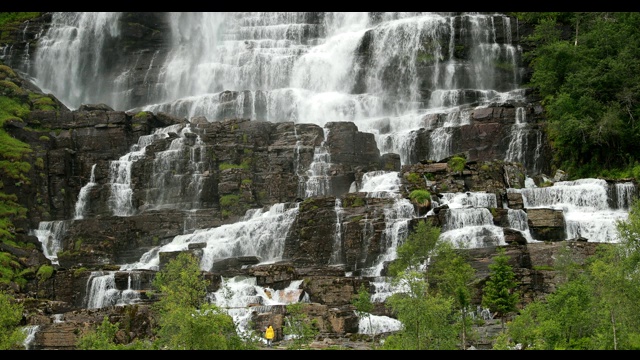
<point x="420" y="197"/>
<point x="457" y="163"/>
<point x="44" y="272"/>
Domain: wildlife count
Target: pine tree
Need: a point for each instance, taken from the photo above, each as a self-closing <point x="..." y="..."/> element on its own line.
<point x="499" y="293"/>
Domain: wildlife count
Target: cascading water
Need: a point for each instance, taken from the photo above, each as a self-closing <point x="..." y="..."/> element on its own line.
<point x="379" y="184"/>
<point x="318" y="180"/>
<point x="79" y="44"/>
<point x="383" y="71"/>
<point x="50" y="234"/>
<point x="176" y="183"/>
<point x="261" y="233"/>
<point x="585" y="206"/>
<point x="336" y="255"/>
<point x="102" y="291"/>
<point x="469" y="223"/>
<point x="120" y="172"/>
<point x="84" y="193"/>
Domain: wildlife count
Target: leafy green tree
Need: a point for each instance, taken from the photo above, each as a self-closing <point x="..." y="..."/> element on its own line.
<point x="427" y="321"/>
<point x="181" y="283"/>
<point x="588" y="78"/>
<point x="499" y="293"/>
<point x="11" y="335"/>
<point x="186" y="321"/>
<point x="299" y="327"/>
<point x="453" y="276"/>
<point x="434" y="280"/>
<point x="207" y="328"/>
<point x="363" y="305"/>
<point x="416" y="249"/>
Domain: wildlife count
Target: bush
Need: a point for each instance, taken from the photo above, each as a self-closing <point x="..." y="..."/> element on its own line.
<point x="457" y="163"/>
<point x="44" y="272"/>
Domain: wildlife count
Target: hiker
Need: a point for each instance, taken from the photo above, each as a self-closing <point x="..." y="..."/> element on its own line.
<point x="268" y="334"/>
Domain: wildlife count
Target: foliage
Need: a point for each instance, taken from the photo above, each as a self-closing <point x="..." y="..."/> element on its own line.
<point x="13" y="17"/>
<point x="207" y="328"/>
<point x="299" y="327"/>
<point x="595" y="308"/>
<point x="185" y="319"/>
<point x="435" y="282"/>
<point x="243" y="165"/>
<point x="457" y="163"/>
<point x="10" y="269"/>
<point x="11" y="335"/>
<point x="499" y="293"/>
<point x="181" y="283"/>
<point x="415" y="250"/>
<point x="421" y="197"/>
<point x="589" y="85"/>
<point x="44" y="272"/>
<point x="427" y="321"/>
<point x="363" y="305"/>
<point x="103" y="338"/>
<point x="452" y="276"/>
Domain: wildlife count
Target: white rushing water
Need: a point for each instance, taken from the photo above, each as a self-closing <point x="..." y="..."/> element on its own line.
<point x="300" y="67"/>
<point x="585" y="206"/>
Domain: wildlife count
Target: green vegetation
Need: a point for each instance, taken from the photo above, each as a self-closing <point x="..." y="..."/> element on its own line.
<point x="593" y="309"/>
<point x="363" y="305"/>
<point x="420" y="197"/>
<point x="102" y="338"/>
<point x="244" y="165"/>
<point x="11" y="335"/>
<point x="588" y="78"/>
<point x="44" y="272"/>
<point x="299" y="327"/>
<point x="430" y="308"/>
<point x="499" y="293"/>
<point x="457" y="163"/>
<point x="16" y="17"/>
<point x="186" y="321"/>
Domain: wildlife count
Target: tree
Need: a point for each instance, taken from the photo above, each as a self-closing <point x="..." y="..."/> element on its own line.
<point x="452" y="276"/>
<point x="363" y="305"/>
<point x="429" y="318"/>
<point x="499" y="292"/>
<point x="181" y="283"/>
<point x="186" y="321"/>
<point x="11" y="335"/>
<point x="416" y="249"/>
<point x="427" y="321"/>
<point x="298" y="326"/>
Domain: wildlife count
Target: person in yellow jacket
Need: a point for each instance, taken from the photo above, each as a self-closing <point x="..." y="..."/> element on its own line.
<point x="268" y="334"/>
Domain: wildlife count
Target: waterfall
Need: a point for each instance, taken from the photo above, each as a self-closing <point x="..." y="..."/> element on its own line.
<point x="585" y="205"/>
<point x="240" y="297"/>
<point x="336" y="255"/>
<point x="176" y="182"/>
<point x="379" y="184"/>
<point x="79" y="44"/>
<point x="302" y="67"/>
<point x="102" y="291"/>
<point x="50" y="234"/>
<point x="81" y="204"/>
<point x="30" y="332"/>
<point x="318" y="180"/>
<point x="262" y="233"/>
<point x="120" y="199"/>
<point x="396" y="230"/>
<point x="468" y="221"/>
